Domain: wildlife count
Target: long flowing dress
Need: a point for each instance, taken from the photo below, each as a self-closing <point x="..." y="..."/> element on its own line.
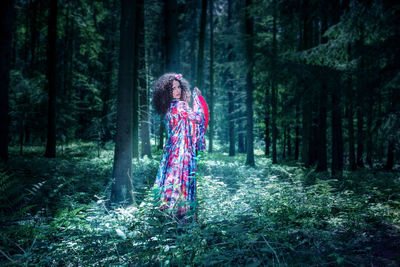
<point x="175" y="183"/>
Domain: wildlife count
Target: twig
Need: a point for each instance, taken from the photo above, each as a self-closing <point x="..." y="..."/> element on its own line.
<point x="16" y="245"/>
<point x="273" y="250"/>
<point x="5" y="255"/>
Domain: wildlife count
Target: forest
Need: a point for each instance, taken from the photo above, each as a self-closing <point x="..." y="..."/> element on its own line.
<point x="301" y="166"/>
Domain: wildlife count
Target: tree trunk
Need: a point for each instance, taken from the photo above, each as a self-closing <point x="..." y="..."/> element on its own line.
<point x="360" y="133"/>
<point x="106" y="92"/>
<point x="306" y="126"/>
<point x="231" y="122"/>
<point x="284" y="141"/>
<point x="266" y="120"/>
<point x="249" y="85"/>
<point x="314" y="130"/>
<point x="350" y="126"/>
<point x="231" y="98"/>
<point x="211" y="106"/>
<point x="137" y="73"/>
<point x="350" y="121"/>
<point x="141" y="58"/>
<point x="161" y="134"/>
<point x="369" y="128"/>
<point x="171" y="37"/>
<point x="200" y="57"/>
<point x="360" y="104"/>
<point x="34" y="34"/>
<point x="122" y="188"/>
<point x="7" y="28"/>
<point x="306" y="99"/>
<point x="289" y="141"/>
<point x="337" y="140"/>
<point x="274" y="96"/>
<point x="241" y="141"/>
<point x="297" y="132"/>
<point x="390" y="155"/>
<point x="51" y="77"/>
<point x="321" y="146"/>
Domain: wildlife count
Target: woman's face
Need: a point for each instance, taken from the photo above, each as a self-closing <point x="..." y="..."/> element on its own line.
<point x="176" y="89"/>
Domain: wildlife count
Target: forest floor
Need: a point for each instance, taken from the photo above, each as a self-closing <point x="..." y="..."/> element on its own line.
<point x="54" y="212"/>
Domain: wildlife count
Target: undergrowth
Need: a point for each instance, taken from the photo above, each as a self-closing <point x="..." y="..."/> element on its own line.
<point x="270" y="215"/>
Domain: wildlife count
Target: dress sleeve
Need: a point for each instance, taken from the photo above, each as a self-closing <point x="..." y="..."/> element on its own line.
<point x="205" y="108"/>
<point x="200" y="104"/>
<point x="196" y="115"/>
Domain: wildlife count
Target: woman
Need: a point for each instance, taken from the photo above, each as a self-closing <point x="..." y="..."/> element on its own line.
<point x="175" y="184"/>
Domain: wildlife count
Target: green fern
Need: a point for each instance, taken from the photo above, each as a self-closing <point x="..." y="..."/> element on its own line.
<point x="13" y="201"/>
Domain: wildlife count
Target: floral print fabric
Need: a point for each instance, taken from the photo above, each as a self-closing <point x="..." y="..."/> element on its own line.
<point x="176" y="180"/>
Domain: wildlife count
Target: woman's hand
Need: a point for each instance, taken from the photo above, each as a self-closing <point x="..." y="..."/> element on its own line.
<point x="198" y="92"/>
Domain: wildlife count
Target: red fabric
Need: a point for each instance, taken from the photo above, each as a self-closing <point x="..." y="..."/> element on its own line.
<point x="205" y="108"/>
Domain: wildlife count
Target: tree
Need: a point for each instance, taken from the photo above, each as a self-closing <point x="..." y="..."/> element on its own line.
<point x="171" y="37"/>
<point x="122" y="188"/>
<point x="110" y="58"/>
<point x="274" y="96"/>
<point x="138" y="65"/>
<point x="7" y="25"/>
<point x="200" y="57"/>
<point x="211" y="124"/>
<point x="142" y="83"/>
<point x="249" y="85"/>
<point x="229" y="77"/>
<point x="337" y="139"/>
<point x="51" y="78"/>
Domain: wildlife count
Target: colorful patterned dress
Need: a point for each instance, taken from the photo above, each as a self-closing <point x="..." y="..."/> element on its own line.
<point x="175" y="184"/>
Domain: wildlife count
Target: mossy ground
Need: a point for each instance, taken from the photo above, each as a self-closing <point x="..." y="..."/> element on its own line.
<point x="268" y="215"/>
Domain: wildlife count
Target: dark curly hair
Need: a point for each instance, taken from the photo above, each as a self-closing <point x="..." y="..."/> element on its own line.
<point x="162" y="92"/>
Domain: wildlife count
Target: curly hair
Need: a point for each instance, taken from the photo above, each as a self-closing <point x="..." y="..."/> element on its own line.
<point x="162" y="92"/>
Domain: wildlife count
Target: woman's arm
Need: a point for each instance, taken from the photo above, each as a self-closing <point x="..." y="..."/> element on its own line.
<point x="196" y="115"/>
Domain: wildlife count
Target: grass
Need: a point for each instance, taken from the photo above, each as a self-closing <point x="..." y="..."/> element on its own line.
<point x="270" y="215"/>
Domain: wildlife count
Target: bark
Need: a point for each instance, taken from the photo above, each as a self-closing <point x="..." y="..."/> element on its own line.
<point x="390" y="156"/>
<point x="171" y="37"/>
<point x="284" y="142"/>
<point x="289" y="141"/>
<point x="161" y="134"/>
<point x="306" y="99"/>
<point x="321" y="146"/>
<point x="337" y="139"/>
<point x="249" y="85"/>
<point x="137" y="73"/>
<point x="7" y="12"/>
<point x="360" y="106"/>
<point x="211" y="105"/>
<point x="297" y="133"/>
<point x="369" y="130"/>
<point x="350" y="121"/>
<point x="267" y="104"/>
<point x="241" y="141"/>
<point x="200" y="56"/>
<point x="106" y="92"/>
<point x="231" y="100"/>
<point x="350" y="126"/>
<point x="144" y="105"/>
<point x="274" y="96"/>
<point x="231" y="123"/>
<point x="122" y="188"/>
<point x="306" y="134"/>
<point x="51" y="78"/>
